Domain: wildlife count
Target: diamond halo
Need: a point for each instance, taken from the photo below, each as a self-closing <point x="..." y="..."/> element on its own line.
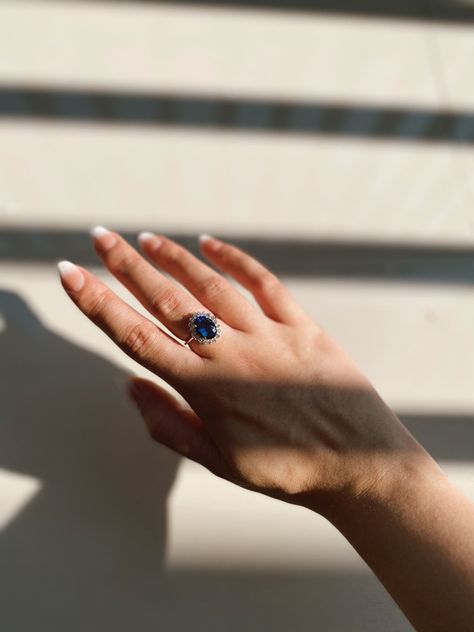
<point x="201" y="323"/>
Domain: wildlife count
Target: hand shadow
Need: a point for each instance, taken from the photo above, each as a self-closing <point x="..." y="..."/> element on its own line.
<point x="87" y="552"/>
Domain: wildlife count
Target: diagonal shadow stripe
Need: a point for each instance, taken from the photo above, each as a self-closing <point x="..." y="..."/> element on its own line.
<point x="223" y="113"/>
<point x="286" y="257"/>
<point x="454" y="11"/>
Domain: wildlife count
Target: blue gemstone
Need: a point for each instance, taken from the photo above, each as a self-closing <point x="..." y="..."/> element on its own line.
<point x="205" y="327"/>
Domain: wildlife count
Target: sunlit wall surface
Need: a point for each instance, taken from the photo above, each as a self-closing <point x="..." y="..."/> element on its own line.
<point x="334" y="142"/>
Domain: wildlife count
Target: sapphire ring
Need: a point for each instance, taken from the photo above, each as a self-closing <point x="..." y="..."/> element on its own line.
<point x="204" y="328"/>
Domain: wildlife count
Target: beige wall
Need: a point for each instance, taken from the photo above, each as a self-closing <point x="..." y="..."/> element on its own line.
<point x="100" y="529"/>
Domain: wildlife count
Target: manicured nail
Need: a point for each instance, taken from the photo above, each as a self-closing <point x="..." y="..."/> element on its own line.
<point x="103" y="238"/>
<point x="71" y="276"/>
<point x="149" y="241"/>
<point x="209" y="241"/>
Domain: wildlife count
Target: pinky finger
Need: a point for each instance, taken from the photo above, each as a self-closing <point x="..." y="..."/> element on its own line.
<point x="267" y="289"/>
<point x="178" y="428"/>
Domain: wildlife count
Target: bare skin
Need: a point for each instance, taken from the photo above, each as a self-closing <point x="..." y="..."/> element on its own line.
<point x="277" y="407"/>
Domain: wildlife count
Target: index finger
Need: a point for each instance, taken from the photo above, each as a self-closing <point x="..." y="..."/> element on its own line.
<point x="135" y="334"/>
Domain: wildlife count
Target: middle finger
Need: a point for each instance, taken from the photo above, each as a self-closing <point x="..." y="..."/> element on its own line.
<point x="207" y="285"/>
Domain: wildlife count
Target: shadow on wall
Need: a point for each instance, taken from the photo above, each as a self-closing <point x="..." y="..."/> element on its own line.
<point x="369" y="121"/>
<point x="436" y="10"/>
<point x="288" y="258"/>
<point x="87" y="552"/>
<point x="90" y="545"/>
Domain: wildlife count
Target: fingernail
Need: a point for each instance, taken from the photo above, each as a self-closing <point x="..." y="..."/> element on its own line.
<point x="210" y="241"/>
<point x="103" y="238"/>
<point x="71" y="276"/>
<point x="149" y="241"/>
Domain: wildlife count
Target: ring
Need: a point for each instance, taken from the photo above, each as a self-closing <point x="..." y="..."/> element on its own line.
<point x="204" y="328"/>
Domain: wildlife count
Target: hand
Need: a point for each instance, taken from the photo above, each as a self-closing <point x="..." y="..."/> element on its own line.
<point x="274" y="405"/>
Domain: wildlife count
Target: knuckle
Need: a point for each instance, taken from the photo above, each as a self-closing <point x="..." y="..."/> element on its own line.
<point x="172" y="252"/>
<point x="122" y="264"/>
<point x="166" y="302"/>
<point x="231" y="254"/>
<point x="213" y="287"/>
<point x="96" y="303"/>
<point x="139" y="339"/>
<point x="267" y="282"/>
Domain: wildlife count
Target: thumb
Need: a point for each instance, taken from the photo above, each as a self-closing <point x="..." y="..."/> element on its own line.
<point x="173" y="425"/>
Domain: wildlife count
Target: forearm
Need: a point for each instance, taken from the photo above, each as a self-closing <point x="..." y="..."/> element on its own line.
<point x="416" y="532"/>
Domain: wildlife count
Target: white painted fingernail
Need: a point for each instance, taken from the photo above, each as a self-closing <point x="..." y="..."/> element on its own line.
<point x="99" y="231"/>
<point x="103" y="238"/>
<point x="205" y="237"/>
<point x="149" y="241"/>
<point x="71" y="276"/>
<point x="145" y="236"/>
<point x="212" y="243"/>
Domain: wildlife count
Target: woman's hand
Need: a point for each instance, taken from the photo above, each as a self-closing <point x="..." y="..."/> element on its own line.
<point x="275" y="405"/>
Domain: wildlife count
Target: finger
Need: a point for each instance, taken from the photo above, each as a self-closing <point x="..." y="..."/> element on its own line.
<point x="272" y="296"/>
<point x="207" y="285"/>
<point x="176" y="427"/>
<point x="141" y="339"/>
<point x="164" y="299"/>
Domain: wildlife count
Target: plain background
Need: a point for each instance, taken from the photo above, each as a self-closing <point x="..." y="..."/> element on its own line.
<point x="333" y="142"/>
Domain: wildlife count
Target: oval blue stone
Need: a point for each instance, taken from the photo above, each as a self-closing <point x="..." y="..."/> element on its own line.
<point x="205" y="327"/>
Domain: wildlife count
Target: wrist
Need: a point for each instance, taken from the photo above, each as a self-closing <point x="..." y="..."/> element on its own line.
<point x="399" y="481"/>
